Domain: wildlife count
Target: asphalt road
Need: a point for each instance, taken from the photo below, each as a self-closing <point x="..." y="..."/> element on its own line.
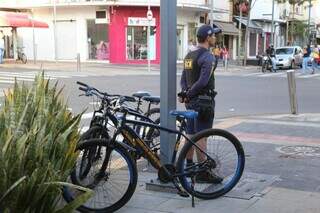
<point x="237" y="95"/>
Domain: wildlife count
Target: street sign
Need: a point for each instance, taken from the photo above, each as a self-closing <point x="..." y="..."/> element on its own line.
<point x="149" y="15"/>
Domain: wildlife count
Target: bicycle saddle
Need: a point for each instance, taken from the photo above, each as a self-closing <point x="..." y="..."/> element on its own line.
<point x="152" y="99"/>
<point x="127" y="99"/>
<point x="189" y="114"/>
<point x="141" y="94"/>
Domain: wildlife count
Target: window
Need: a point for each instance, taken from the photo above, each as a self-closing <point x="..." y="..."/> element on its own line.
<point x="98" y="40"/>
<point x="101" y="14"/>
<point x="137" y="47"/>
<point x="284" y="51"/>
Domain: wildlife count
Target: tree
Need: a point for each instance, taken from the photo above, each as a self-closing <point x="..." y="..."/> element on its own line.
<point x="295" y="24"/>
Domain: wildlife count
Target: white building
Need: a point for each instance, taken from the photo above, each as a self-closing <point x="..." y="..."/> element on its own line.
<point x="104" y="30"/>
<point x="222" y="18"/>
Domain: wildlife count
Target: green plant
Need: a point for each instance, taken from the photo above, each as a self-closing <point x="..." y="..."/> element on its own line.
<point x="38" y="137"/>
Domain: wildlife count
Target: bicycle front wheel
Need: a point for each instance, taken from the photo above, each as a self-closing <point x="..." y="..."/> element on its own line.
<point x="211" y="166"/>
<point x="112" y="175"/>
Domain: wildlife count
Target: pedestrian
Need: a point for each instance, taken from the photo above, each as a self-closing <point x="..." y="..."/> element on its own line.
<point x="192" y="45"/>
<point x="1" y="46"/>
<point x="306" y="59"/>
<point x="225" y="56"/>
<point x="216" y="53"/>
<point x="198" y="93"/>
<point x="315" y="59"/>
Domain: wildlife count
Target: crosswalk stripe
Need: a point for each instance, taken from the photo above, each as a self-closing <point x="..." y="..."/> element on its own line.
<point x="253" y="74"/>
<point x="310" y="76"/>
<point x="272" y="74"/>
<point x="6" y="81"/>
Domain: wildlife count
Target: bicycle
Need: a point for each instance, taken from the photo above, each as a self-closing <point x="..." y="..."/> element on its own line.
<point x="100" y="125"/>
<point x="183" y="176"/>
<point x="21" y="55"/>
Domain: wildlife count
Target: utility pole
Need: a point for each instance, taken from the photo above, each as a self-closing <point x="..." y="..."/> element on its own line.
<point x="239" y="37"/>
<point x="168" y="75"/>
<point x="211" y="12"/>
<point x="33" y="39"/>
<point x="246" y="38"/>
<point x="272" y="24"/>
<point x="308" y="34"/>
<point x="149" y="17"/>
<point x="55" y="29"/>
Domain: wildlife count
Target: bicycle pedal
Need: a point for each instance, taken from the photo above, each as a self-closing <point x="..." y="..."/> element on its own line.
<point x="183" y="193"/>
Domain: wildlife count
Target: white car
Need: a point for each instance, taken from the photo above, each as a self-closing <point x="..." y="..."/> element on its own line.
<point x="289" y="57"/>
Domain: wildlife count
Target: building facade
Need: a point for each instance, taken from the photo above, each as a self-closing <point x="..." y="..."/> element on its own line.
<point x="106" y="30"/>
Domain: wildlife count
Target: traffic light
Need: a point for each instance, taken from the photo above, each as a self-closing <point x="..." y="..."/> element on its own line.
<point x="153" y="30"/>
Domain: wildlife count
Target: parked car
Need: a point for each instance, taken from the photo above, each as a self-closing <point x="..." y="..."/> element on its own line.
<point x="289" y="57"/>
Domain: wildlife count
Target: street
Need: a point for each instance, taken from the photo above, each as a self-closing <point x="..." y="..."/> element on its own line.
<point x="281" y="150"/>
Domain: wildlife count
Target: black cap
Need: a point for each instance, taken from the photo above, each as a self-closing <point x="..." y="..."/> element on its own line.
<point x="206" y="30"/>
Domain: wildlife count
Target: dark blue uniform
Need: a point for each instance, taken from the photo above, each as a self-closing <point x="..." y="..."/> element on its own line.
<point x="198" y="81"/>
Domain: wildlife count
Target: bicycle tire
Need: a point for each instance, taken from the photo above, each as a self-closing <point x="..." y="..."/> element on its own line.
<point x="240" y="158"/>
<point x="153" y="111"/>
<point x="95" y="132"/>
<point x="132" y="173"/>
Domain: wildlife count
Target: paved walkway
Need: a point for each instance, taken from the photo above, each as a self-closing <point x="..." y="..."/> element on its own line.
<point x="105" y="67"/>
<point x="279" y="182"/>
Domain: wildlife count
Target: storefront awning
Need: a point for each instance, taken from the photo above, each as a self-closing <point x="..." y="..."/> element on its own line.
<point x="253" y="27"/>
<point x="10" y="19"/>
<point x="227" y="28"/>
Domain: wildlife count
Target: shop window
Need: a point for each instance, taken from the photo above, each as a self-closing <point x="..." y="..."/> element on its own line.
<point x="137" y="47"/>
<point x="98" y="40"/>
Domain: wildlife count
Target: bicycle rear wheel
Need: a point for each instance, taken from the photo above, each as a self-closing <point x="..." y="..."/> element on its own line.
<point x="112" y="176"/>
<point x="216" y="171"/>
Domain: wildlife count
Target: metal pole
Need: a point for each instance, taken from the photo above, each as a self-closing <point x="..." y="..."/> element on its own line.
<point x="168" y="75"/>
<point x="308" y="34"/>
<point x="148" y="40"/>
<point x="239" y="37"/>
<point x="78" y="63"/>
<point x="33" y="40"/>
<point x="54" y="29"/>
<point x="287" y="31"/>
<point x="272" y="24"/>
<point x="292" y="92"/>
<point x="211" y="12"/>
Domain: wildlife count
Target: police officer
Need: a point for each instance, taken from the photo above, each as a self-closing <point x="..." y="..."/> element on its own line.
<point x="198" y="92"/>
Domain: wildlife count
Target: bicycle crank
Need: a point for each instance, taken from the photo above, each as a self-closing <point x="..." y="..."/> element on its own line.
<point x="165" y="173"/>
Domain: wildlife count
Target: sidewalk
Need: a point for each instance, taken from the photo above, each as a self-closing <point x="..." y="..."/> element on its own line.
<point x="279" y="182"/>
<point x="106" y="67"/>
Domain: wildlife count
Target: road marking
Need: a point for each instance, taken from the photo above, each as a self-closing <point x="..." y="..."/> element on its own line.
<point x="310" y="76"/>
<point x="252" y="74"/>
<point x="275" y="139"/>
<point x="286" y="123"/>
<point x="272" y="74"/>
<point x="87" y="115"/>
<point x="228" y="123"/>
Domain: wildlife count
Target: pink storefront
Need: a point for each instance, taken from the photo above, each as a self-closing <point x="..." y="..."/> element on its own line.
<point x="128" y="35"/>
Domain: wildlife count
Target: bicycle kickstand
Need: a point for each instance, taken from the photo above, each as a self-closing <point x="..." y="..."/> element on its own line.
<point x="181" y="192"/>
<point x="192" y="188"/>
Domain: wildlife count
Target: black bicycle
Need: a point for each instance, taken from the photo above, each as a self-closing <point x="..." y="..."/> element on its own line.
<point x="209" y="165"/>
<point x="103" y="122"/>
